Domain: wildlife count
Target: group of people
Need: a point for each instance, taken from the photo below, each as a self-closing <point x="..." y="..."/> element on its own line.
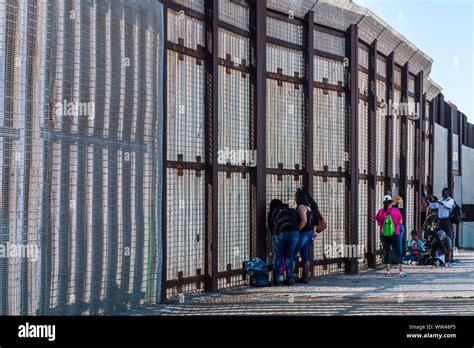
<point x="293" y="229"/>
<point x="433" y="246"/>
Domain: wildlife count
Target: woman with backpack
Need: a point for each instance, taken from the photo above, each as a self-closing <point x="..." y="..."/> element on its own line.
<point x="284" y="229"/>
<point x="306" y="217"/>
<point x="389" y="218"/>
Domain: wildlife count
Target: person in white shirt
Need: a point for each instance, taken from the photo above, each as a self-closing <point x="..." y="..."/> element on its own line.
<point x="444" y="212"/>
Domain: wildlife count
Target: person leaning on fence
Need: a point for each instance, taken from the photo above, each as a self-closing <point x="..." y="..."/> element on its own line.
<point x="305" y="227"/>
<point x="389" y="219"/>
<point x="398" y="203"/>
<point x="282" y="224"/>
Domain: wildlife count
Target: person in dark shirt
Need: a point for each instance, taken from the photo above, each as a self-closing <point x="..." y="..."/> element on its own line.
<point x="282" y="224"/>
<point x="304" y="218"/>
<point x="398" y="203"/>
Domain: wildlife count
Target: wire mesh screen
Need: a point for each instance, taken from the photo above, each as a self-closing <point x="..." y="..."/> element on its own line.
<point x="381" y="67"/>
<point x="329" y="130"/>
<point x="363" y="221"/>
<point x="380" y="124"/>
<point x="409" y="209"/>
<point x="397" y="134"/>
<point x="285" y="31"/>
<point x="234" y="114"/>
<point x="411" y="84"/>
<point x="285" y="61"/>
<point x="196" y="5"/>
<point x="397" y="76"/>
<point x="330" y="193"/>
<point x="329" y="71"/>
<point x="234" y="13"/>
<point x="363" y="57"/>
<point x="362" y="129"/>
<point x="363" y="83"/>
<point x="82" y="155"/>
<point x="186" y="227"/>
<point x="411" y="150"/>
<point x="329" y="43"/>
<point x="395" y="189"/>
<point x="185" y="90"/>
<point x="234" y="47"/>
<point x="234" y="224"/>
<point x="284" y="125"/>
<point x="185" y="30"/>
<point x="379" y="194"/>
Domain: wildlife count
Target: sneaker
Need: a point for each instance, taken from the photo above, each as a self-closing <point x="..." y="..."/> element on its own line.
<point x="388" y="274"/>
<point x="290" y="281"/>
<point x="403" y="275"/>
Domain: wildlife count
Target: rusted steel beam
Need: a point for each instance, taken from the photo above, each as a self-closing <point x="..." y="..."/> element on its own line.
<point x="308" y="138"/>
<point x="258" y="89"/>
<point x="353" y="183"/>
<point x="211" y="150"/>
<point x="389" y="125"/>
<point x="372" y="125"/>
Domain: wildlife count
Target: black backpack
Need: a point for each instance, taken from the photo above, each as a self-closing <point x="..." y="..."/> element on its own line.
<point x="456" y="214"/>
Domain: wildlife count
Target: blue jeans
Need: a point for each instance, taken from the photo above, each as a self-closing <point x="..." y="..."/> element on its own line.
<point x="402" y="238"/>
<point x="304" y="241"/>
<point x="285" y="244"/>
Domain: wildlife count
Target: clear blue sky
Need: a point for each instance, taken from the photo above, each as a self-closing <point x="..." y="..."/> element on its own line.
<point x="443" y="29"/>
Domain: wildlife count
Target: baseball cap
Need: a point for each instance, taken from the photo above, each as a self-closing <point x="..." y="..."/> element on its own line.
<point x="387" y="198"/>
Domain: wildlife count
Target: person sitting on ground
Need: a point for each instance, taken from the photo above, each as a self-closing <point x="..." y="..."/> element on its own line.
<point x="284" y="229"/>
<point x="445" y="245"/>
<point x="415" y="249"/>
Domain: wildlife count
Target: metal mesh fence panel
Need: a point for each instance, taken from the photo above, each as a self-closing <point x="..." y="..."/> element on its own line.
<point x="196" y="5"/>
<point x="234" y="110"/>
<point x="397" y="135"/>
<point x="185" y="132"/>
<point x="234" y="47"/>
<point x="285" y="31"/>
<point x="330" y="120"/>
<point x="363" y="57"/>
<point x="379" y="194"/>
<point x="284" y="61"/>
<point x="185" y="29"/>
<point x="363" y="222"/>
<point x="362" y="129"/>
<point x="86" y="158"/>
<point x="233" y="13"/>
<point x="330" y="193"/>
<point x="397" y="76"/>
<point x="285" y="126"/>
<point x="363" y="83"/>
<point x="186" y="227"/>
<point x="234" y="224"/>
<point x="329" y="43"/>
<point x="380" y="124"/>
<point x="381" y="67"/>
<point x="409" y="209"/>
<point x="411" y="150"/>
<point x="329" y="71"/>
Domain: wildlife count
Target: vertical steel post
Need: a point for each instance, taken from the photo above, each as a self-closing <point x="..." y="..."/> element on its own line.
<point x="419" y="154"/>
<point x="211" y="129"/>
<point x="353" y="189"/>
<point x="449" y="125"/>
<point x="258" y="126"/>
<point x="164" y="208"/>
<point x="308" y="145"/>
<point x="389" y="125"/>
<point x="372" y="141"/>
<point x="402" y="191"/>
